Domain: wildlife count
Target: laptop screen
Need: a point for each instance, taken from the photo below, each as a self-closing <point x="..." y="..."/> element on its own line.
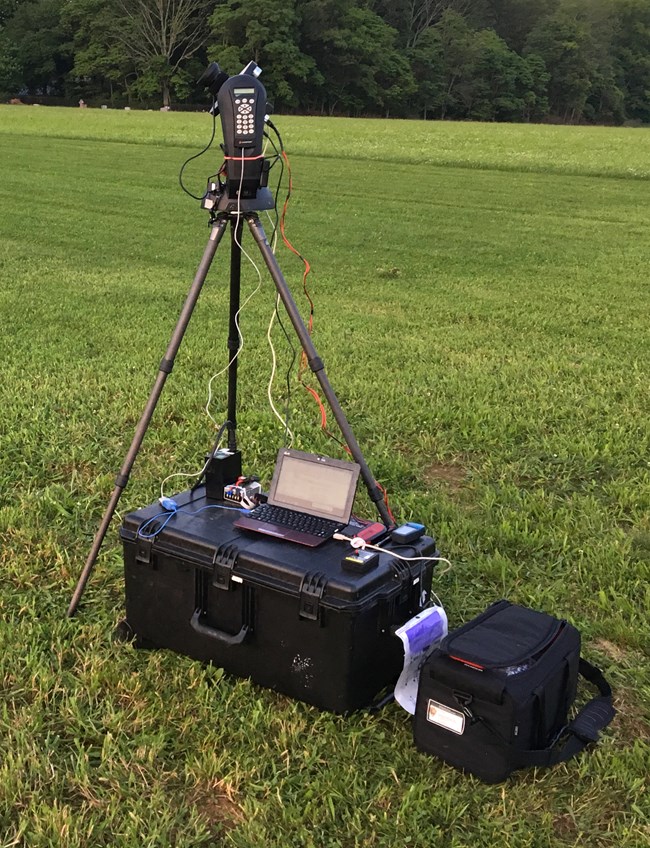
<point x="314" y="484"/>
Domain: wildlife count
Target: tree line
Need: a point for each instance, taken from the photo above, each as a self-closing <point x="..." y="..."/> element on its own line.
<point x="491" y="60"/>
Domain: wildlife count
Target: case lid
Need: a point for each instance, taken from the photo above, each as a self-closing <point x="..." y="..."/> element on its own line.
<point x="202" y="533"/>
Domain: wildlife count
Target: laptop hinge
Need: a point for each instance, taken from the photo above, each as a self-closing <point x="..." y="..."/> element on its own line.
<point x="223" y="563"/>
<point x="312" y="589"/>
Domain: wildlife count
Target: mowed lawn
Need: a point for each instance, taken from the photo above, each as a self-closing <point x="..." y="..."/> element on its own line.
<point x="482" y="302"/>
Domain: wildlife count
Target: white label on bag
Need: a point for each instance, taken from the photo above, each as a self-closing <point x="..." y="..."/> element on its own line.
<point x="444" y="717"/>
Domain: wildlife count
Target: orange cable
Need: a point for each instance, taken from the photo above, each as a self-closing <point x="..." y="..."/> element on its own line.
<point x="310" y="325"/>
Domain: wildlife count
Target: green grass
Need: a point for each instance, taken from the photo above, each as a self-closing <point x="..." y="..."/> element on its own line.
<point x="482" y="308"/>
<point x="591" y="151"/>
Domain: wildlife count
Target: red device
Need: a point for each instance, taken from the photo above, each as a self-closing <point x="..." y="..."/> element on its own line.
<point x="372" y="532"/>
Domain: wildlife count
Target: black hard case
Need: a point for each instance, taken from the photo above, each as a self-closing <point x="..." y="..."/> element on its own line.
<point x="289" y="617"/>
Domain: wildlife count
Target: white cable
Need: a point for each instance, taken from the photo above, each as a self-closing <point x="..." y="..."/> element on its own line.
<point x="408" y="559"/>
<point x="182" y="474"/>
<point x="269" y="388"/>
<point x="247" y="502"/>
<point x="283" y="421"/>
<point x="189" y="474"/>
<point x="360" y="544"/>
<point x="259" y="285"/>
<point x="274" y="242"/>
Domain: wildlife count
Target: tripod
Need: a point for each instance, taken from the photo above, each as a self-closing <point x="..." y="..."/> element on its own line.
<point x="236" y="213"/>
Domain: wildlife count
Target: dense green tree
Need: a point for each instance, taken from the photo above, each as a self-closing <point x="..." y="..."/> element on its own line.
<point x="427" y="65"/>
<point x="564" y="44"/>
<point x="631" y="48"/>
<point x="11" y="77"/>
<point x="606" y="99"/>
<point x="467" y="73"/>
<point x="535" y="81"/>
<point x="101" y="64"/>
<point x="10" y="70"/>
<point x="7" y="10"/>
<point x="422" y="14"/>
<point x="269" y="33"/>
<point x="139" y="48"/>
<point x="513" y="20"/>
<point x="38" y="43"/>
<point x="500" y="80"/>
<point x="569" y="60"/>
<point x="458" y="50"/>
<point x="356" y="54"/>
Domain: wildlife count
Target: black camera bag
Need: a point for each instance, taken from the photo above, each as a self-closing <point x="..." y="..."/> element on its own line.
<point x="495" y="696"/>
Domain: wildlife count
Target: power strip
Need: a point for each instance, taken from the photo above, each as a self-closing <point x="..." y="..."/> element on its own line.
<point x="242" y="495"/>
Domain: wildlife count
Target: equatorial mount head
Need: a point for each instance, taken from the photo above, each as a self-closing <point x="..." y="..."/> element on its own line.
<point x="241" y="102"/>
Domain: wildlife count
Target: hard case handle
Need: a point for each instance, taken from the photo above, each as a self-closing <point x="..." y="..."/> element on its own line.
<point x="228" y="639"/>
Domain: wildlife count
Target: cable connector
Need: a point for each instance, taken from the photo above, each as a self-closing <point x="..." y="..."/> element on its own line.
<point x="355" y="541"/>
<point x="169" y="504"/>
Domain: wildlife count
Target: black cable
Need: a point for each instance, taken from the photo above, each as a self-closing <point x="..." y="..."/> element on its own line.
<point x="278" y="157"/>
<point x="196" y="155"/>
<point x="275" y="130"/>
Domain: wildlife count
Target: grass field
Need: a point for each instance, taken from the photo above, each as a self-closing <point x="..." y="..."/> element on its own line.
<point x="482" y="303"/>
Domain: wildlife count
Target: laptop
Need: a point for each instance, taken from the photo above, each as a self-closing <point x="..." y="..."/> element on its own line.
<point x="310" y="499"/>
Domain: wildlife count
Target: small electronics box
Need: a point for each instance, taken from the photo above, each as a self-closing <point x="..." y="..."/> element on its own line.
<point x="291" y="618"/>
<point x="407" y="533"/>
<point x="360" y="561"/>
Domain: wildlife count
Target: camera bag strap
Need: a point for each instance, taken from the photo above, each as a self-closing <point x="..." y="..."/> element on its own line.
<point x="578" y="733"/>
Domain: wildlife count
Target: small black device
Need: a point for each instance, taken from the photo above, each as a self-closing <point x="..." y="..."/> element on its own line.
<point x="223" y="468"/>
<point x="360" y="562"/>
<point x="407" y="533"/>
<point x="214" y="77"/>
<point x="495" y="696"/>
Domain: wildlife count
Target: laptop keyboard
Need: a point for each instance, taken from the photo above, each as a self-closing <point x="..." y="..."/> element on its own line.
<point x="299" y="521"/>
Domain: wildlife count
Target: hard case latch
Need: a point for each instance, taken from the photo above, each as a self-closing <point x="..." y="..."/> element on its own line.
<point x="223" y="562"/>
<point x="143" y="552"/>
<point x="311" y="592"/>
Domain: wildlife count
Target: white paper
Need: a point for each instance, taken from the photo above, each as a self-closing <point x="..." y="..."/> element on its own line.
<point x="420" y="635"/>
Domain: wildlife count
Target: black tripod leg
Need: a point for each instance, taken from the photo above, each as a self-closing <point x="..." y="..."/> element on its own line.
<point x="164" y="370"/>
<point x="316" y="365"/>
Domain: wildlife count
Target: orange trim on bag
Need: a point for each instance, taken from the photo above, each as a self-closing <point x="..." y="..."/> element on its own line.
<point x="467" y="662"/>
